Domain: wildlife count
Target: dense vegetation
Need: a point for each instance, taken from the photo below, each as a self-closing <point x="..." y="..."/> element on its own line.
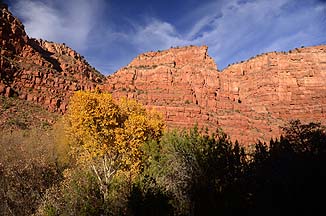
<point x="110" y="157"/>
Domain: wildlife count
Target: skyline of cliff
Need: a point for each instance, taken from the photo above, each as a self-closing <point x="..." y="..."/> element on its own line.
<point x="111" y="33"/>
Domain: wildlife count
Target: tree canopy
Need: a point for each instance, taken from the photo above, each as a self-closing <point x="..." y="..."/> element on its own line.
<point x="100" y="127"/>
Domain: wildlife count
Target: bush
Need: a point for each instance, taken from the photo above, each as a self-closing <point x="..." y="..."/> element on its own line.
<point x="195" y="170"/>
<point x="27" y="168"/>
<point x="208" y="175"/>
<point x="117" y="161"/>
<point x="80" y="194"/>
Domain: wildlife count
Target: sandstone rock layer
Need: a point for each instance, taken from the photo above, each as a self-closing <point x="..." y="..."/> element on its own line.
<point x="250" y="101"/>
<point x="40" y="71"/>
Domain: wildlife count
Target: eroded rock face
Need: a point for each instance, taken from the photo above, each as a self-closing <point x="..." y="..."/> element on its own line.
<point x="249" y="101"/>
<point x="180" y="82"/>
<point x="40" y="71"/>
<point x="273" y="88"/>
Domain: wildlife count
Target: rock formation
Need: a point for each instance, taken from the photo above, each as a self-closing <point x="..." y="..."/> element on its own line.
<point x="274" y="88"/>
<point x="40" y="71"/>
<point x="249" y="100"/>
<point x="180" y="82"/>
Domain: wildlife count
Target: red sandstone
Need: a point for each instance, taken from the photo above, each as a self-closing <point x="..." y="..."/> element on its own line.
<point x="249" y="100"/>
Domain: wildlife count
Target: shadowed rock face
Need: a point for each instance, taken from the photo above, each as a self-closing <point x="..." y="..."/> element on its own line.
<point x="40" y="71"/>
<point x="249" y="100"/>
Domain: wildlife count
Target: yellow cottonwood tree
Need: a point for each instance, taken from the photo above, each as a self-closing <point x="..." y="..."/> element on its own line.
<point x="108" y="133"/>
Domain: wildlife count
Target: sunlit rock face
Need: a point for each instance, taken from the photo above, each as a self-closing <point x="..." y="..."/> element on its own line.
<point x="250" y="100"/>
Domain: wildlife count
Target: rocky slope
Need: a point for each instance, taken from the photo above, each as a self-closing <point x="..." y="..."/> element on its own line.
<point x="40" y="71"/>
<point x="249" y="100"/>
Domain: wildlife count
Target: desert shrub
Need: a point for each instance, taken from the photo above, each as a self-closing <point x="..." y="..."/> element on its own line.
<point x="27" y="169"/>
<point x="188" y="173"/>
<point x="118" y="161"/>
<point x="146" y="198"/>
<point x="80" y="194"/>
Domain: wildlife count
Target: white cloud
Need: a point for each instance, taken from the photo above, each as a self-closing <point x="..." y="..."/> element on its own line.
<point x="198" y="26"/>
<point x="239" y="27"/>
<point x="234" y="30"/>
<point x="155" y="34"/>
<point x="60" y="21"/>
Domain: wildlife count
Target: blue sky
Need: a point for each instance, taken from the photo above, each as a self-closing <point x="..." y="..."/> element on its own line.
<point x="110" y="33"/>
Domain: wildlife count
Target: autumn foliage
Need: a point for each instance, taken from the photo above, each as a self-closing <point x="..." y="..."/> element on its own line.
<point x="100" y="127"/>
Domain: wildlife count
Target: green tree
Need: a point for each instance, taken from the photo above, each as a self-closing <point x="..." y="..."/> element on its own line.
<point x="195" y="170"/>
<point x="289" y="174"/>
<point x="306" y="137"/>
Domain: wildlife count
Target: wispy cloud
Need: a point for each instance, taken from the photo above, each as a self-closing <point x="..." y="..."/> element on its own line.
<point x="237" y="30"/>
<point x="244" y="29"/>
<point x="155" y="34"/>
<point x="69" y="21"/>
<point x="234" y="30"/>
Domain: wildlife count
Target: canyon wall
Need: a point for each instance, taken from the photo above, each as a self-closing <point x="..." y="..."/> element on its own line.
<point x="250" y="100"/>
<point x="40" y="71"/>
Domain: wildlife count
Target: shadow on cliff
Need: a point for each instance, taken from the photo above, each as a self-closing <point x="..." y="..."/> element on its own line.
<point x="45" y="54"/>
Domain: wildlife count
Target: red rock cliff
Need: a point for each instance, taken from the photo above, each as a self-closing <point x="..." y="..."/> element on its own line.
<point x="180" y="82"/>
<point x="40" y="71"/>
<point x="250" y="100"/>
<point x="273" y="88"/>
